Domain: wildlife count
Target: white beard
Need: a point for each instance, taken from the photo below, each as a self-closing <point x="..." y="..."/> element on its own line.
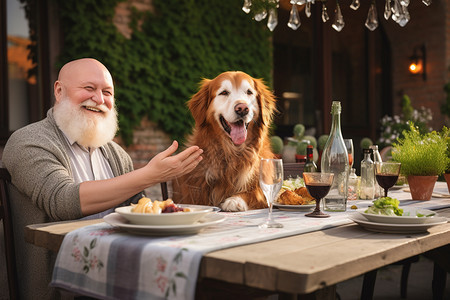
<point x="87" y="131"/>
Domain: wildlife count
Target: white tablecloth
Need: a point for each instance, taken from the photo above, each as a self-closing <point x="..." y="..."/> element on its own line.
<point x="107" y="263"/>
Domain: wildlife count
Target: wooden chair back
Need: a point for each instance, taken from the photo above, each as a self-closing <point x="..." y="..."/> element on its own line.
<point x="293" y="170"/>
<point x="5" y="216"/>
<point x="164" y="191"/>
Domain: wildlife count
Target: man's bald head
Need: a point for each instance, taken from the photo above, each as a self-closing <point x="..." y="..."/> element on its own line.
<point x="80" y="73"/>
<point x="84" y="108"/>
<point x="82" y="65"/>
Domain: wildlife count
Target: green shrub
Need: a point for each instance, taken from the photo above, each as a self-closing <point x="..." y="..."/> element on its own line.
<point x="277" y="144"/>
<point x="301" y="147"/>
<point x="422" y="154"/>
<point x="312" y="140"/>
<point x="299" y="131"/>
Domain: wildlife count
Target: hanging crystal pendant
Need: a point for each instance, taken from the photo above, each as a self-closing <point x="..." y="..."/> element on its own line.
<point x="272" y="22"/>
<point x="426" y="2"/>
<point x="387" y="10"/>
<point x="294" y="18"/>
<point x="355" y="4"/>
<point x="339" y="19"/>
<point x="404" y="2"/>
<point x="247" y="5"/>
<point x="372" y="17"/>
<point x="325" y="16"/>
<point x="308" y="9"/>
<point x="404" y="16"/>
<point x="396" y="10"/>
<point x="261" y="15"/>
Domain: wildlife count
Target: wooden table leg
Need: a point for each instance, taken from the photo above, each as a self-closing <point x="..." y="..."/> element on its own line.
<point x="369" y="285"/>
<point x="438" y="283"/>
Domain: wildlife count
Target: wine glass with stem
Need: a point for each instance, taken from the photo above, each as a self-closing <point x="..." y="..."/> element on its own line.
<point x="318" y="186"/>
<point x="270" y="181"/>
<point x="349" y="145"/>
<point x="386" y="174"/>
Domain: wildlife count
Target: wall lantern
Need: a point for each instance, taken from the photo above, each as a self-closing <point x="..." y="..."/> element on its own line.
<point x="417" y="62"/>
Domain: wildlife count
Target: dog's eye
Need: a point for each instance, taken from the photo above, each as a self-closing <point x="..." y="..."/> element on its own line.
<point x="249" y="92"/>
<point x="224" y="93"/>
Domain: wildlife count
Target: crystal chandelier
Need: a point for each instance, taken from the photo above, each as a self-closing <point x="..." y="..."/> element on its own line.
<point x="397" y="10"/>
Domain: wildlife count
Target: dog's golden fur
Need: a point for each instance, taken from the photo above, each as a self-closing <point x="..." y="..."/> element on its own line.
<point x="229" y="173"/>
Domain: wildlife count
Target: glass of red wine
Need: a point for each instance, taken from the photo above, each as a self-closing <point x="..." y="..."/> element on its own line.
<point x="386" y="174"/>
<point x="318" y="186"/>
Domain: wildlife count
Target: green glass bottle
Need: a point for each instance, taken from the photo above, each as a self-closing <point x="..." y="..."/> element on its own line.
<point x="310" y="165"/>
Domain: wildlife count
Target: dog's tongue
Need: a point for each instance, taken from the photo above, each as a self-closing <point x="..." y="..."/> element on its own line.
<point x="238" y="133"/>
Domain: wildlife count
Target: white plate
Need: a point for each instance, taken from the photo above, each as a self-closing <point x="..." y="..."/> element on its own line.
<point x="117" y="220"/>
<point x="396" y="228"/>
<point x="289" y="207"/>
<point x="409" y="217"/>
<point x="176" y="218"/>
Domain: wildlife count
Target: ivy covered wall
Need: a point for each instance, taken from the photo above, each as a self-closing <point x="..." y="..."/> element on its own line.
<point x="160" y="66"/>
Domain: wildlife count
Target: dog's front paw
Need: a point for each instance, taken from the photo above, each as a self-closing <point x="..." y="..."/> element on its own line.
<point x="234" y="204"/>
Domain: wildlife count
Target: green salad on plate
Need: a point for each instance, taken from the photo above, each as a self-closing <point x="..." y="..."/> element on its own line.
<point x="385" y="206"/>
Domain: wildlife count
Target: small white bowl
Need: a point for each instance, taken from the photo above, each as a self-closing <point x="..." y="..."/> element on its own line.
<point x="176" y="218"/>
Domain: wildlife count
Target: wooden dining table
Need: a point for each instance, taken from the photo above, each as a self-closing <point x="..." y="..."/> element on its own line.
<point x="309" y="263"/>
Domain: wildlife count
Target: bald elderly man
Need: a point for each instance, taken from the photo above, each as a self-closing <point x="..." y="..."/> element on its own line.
<point x="67" y="167"/>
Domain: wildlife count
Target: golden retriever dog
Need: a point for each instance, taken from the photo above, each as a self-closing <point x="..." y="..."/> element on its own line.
<point x="232" y="116"/>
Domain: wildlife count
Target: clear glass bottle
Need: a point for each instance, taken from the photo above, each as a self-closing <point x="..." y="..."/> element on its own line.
<point x="367" y="189"/>
<point x="352" y="185"/>
<point x="310" y="165"/>
<point x="335" y="160"/>
<point x="379" y="191"/>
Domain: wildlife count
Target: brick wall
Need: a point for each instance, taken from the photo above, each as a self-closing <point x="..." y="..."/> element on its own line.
<point x="148" y="140"/>
<point x="428" y="26"/>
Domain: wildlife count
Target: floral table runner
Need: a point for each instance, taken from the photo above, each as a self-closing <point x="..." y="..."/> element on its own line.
<point x="104" y="262"/>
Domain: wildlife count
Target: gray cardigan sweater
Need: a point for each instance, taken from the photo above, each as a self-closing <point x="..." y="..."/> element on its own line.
<point x="36" y="157"/>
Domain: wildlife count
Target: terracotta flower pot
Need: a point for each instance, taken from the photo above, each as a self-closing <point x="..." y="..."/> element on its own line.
<point x="299" y="158"/>
<point x="421" y="187"/>
<point x="447" y="179"/>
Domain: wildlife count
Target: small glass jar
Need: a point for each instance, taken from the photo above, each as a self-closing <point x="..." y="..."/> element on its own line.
<point x="352" y="185"/>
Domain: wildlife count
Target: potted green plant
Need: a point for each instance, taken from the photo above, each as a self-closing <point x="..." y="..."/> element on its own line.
<point x="423" y="158"/>
<point x="365" y="143"/>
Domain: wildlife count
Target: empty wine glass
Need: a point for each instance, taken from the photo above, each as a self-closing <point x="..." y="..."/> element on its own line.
<point x="318" y="186"/>
<point x="270" y="180"/>
<point x="386" y="174"/>
<point x="349" y="145"/>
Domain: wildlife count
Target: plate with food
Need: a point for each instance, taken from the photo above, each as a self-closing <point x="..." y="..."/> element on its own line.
<point x="148" y="212"/>
<point x="294" y="196"/>
<point x="117" y="220"/>
<point x="398" y="227"/>
<point x="387" y="210"/>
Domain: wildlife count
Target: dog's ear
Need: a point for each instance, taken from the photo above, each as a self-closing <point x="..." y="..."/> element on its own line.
<point x="198" y="105"/>
<point x="266" y="101"/>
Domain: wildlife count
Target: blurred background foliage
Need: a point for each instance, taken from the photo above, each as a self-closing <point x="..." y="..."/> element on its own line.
<point x="159" y="68"/>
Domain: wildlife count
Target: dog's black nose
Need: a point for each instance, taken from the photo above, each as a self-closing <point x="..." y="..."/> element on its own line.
<point x="241" y="109"/>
